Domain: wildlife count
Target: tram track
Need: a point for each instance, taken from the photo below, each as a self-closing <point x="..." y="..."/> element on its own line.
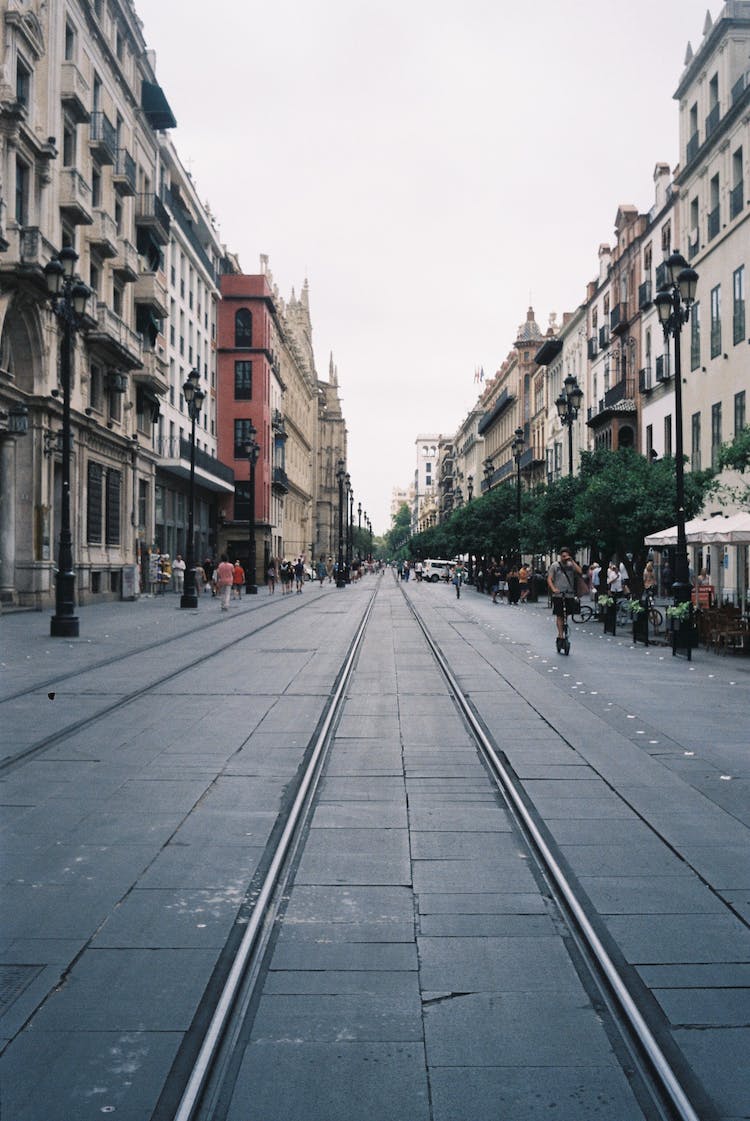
<point x="648" y="1066"/>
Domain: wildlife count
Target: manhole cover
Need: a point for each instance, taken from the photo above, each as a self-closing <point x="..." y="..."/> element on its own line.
<point x="13" y="980"/>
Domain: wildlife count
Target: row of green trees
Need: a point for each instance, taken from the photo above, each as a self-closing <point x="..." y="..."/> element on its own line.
<point x="615" y="501"/>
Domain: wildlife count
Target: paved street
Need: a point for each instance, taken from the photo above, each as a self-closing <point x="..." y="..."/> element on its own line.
<point x="419" y="957"/>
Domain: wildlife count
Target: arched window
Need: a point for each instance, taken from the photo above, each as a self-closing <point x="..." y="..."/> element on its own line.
<point x="243" y="328"/>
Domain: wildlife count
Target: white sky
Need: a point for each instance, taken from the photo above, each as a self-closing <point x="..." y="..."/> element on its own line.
<point x="431" y="167"/>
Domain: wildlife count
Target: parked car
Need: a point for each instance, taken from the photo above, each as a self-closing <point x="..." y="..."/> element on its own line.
<point x="434" y="570"/>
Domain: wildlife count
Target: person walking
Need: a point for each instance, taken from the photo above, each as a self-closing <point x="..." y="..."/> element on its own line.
<point x="239" y="580"/>
<point x="458" y="578"/>
<point x="299" y="575"/>
<point x="595" y="572"/>
<point x="178" y="574"/>
<point x="286" y="575"/>
<point x="562" y="576"/>
<point x="209" y="568"/>
<point x="523" y="582"/>
<point x="329" y="570"/>
<point x="271" y="576"/>
<point x="225" y="580"/>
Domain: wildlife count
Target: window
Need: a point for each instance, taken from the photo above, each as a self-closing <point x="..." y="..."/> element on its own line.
<point x="113" y="507"/>
<point x="715" y="434"/>
<point x="97" y="95"/>
<point x="668" y="435"/>
<point x="94" y="503"/>
<point x="117" y="294"/>
<point x="70" y="42"/>
<point x="740" y="416"/>
<point x="736" y="195"/>
<point x="94" y="275"/>
<point x="666" y="238"/>
<point x="22" y="193"/>
<point x="243" y="329"/>
<point x="243" y="381"/>
<point x="96" y="187"/>
<point x="649" y="442"/>
<point x="241" y="502"/>
<point x="716" y="321"/>
<point x="714" y="211"/>
<point x="69" y="145"/>
<point x="738" y="305"/>
<point x="95" y="388"/>
<point x="695" y="445"/>
<point x="23" y="82"/>
<point x="241" y="437"/>
<point x="118" y="216"/>
<point x="695" y="336"/>
<point x="142" y="504"/>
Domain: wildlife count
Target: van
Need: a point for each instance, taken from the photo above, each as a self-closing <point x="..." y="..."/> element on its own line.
<point x="434" y="570"/>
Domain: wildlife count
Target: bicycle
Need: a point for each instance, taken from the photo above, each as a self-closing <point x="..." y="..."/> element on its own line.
<point x="625" y="613"/>
<point x="583" y="614"/>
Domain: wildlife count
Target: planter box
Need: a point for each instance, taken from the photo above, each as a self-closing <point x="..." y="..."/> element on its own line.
<point x="684" y="635"/>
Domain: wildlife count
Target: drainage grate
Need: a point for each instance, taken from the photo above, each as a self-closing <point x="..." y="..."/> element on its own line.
<point x="13" y="980"/>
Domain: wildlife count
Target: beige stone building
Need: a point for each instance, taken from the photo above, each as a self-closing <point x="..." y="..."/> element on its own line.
<point x="331" y="450"/>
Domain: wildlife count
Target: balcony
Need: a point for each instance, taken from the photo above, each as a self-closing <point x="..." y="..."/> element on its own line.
<point x="603" y="337"/>
<point x="645" y="380"/>
<point x="102" y="138"/>
<point x="75" y="198"/>
<point x="739" y="87"/>
<point x="693" y="145"/>
<point x="151" y="214"/>
<point x="280" y="482"/>
<point x="645" y="296"/>
<point x="150" y="289"/>
<point x="125" y="265"/>
<point x="693" y="245"/>
<point x="74" y="93"/>
<point x="713" y="224"/>
<point x="736" y="199"/>
<point x="209" y="472"/>
<point x="662" y="368"/>
<point x="153" y="373"/>
<point x="620" y="391"/>
<point x="618" y="319"/>
<point x="662" y="276"/>
<point x="112" y="337"/>
<point x="591" y="347"/>
<point x="103" y="234"/>
<point x="123" y="173"/>
<point x="712" y="120"/>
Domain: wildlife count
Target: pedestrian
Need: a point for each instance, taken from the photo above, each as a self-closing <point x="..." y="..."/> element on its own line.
<point x="595" y="571"/>
<point x="514" y="585"/>
<point x="523" y="582"/>
<point x="178" y="574"/>
<point x="209" y="568"/>
<point x="239" y="580"/>
<point x="271" y="576"/>
<point x="329" y="570"/>
<point x="458" y="578"/>
<point x="199" y="577"/>
<point x="224" y="580"/>
<point x="614" y="580"/>
<point x="418" y="570"/>
<point x="562" y="579"/>
<point x="286" y="576"/>
<point x="649" y="578"/>
<point x="502" y="580"/>
<point x="321" y="571"/>
<point x="299" y="575"/>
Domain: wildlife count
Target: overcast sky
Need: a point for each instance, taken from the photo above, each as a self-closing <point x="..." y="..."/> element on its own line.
<point x="431" y="168"/>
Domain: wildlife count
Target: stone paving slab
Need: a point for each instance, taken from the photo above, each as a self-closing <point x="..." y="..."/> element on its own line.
<point x="503" y="1093"/>
<point x="277" y="1077"/>
<point x="160" y="918"/>
<point x="651" y="894"/>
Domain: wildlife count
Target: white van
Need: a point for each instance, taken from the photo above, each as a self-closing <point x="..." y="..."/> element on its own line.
<point x="434" y="570"/>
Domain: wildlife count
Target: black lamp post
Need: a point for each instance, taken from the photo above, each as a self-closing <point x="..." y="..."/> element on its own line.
<point x="251" y="448"/>
<point x="194" y="397"/>
<point x="673" y="305"/>
<point x="340" y="477"/>
<point x="568" y="406"/>
<point x="349" y="515"/>
<point x="69" y="295"/>
<point x="369" y="529"/>
<point x="517" y="448"/>
<point x="470" y="495"/>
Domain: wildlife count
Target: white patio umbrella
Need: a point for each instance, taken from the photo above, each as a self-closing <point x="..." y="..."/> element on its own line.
<point x="666" y="537"/>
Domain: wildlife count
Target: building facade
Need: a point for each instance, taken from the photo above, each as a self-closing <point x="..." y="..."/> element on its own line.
<point x="331" y="450"/>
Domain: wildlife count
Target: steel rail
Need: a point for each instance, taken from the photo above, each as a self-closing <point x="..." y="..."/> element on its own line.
<point x="667" y="1078"/>
<point x="193" y="1091"/>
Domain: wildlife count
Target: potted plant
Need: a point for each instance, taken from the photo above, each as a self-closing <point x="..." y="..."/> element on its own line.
<point x="609" y="615"/>
<point x="681" y="622"/>
<point x="638" y="614"/>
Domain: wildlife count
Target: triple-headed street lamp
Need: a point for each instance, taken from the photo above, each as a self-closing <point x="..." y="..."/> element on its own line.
<point x="251" y="448"/>
<point x="340" y="477"/>
<point x="568" y="406"/>
<point x="69" y="295"/>
<point x="673" y="304"/>
<point x="194" y="398"/>
<point x="517" y="448"/>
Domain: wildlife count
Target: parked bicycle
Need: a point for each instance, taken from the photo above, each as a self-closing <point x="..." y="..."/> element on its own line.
<point x="625" y="612"/>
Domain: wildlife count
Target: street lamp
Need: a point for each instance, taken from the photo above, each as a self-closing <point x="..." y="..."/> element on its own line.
<point x="69" y="295"/>
<point x="359" y="530"/>
<point x="251" y="448"/>
<point x="340" y="477"/>
<point x="517" y="448"/>
<point x="194" y="397"/>
<point x="673" y="304"/>
<point x="470" y="486"/>
<point x="489" y="471"/>
<point x="349" y="515"/>
<point x="568" y="406"/>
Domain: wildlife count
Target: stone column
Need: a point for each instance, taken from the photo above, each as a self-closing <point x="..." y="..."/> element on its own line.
<point x="7" y="518"/>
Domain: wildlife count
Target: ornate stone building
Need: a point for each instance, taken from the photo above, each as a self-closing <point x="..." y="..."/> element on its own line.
<point x="331" y="447"/>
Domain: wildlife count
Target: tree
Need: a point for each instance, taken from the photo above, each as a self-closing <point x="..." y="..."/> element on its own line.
<point x="623" y="498"/>
<point x="396" y="539"/>
<point x="736" y="455"/>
